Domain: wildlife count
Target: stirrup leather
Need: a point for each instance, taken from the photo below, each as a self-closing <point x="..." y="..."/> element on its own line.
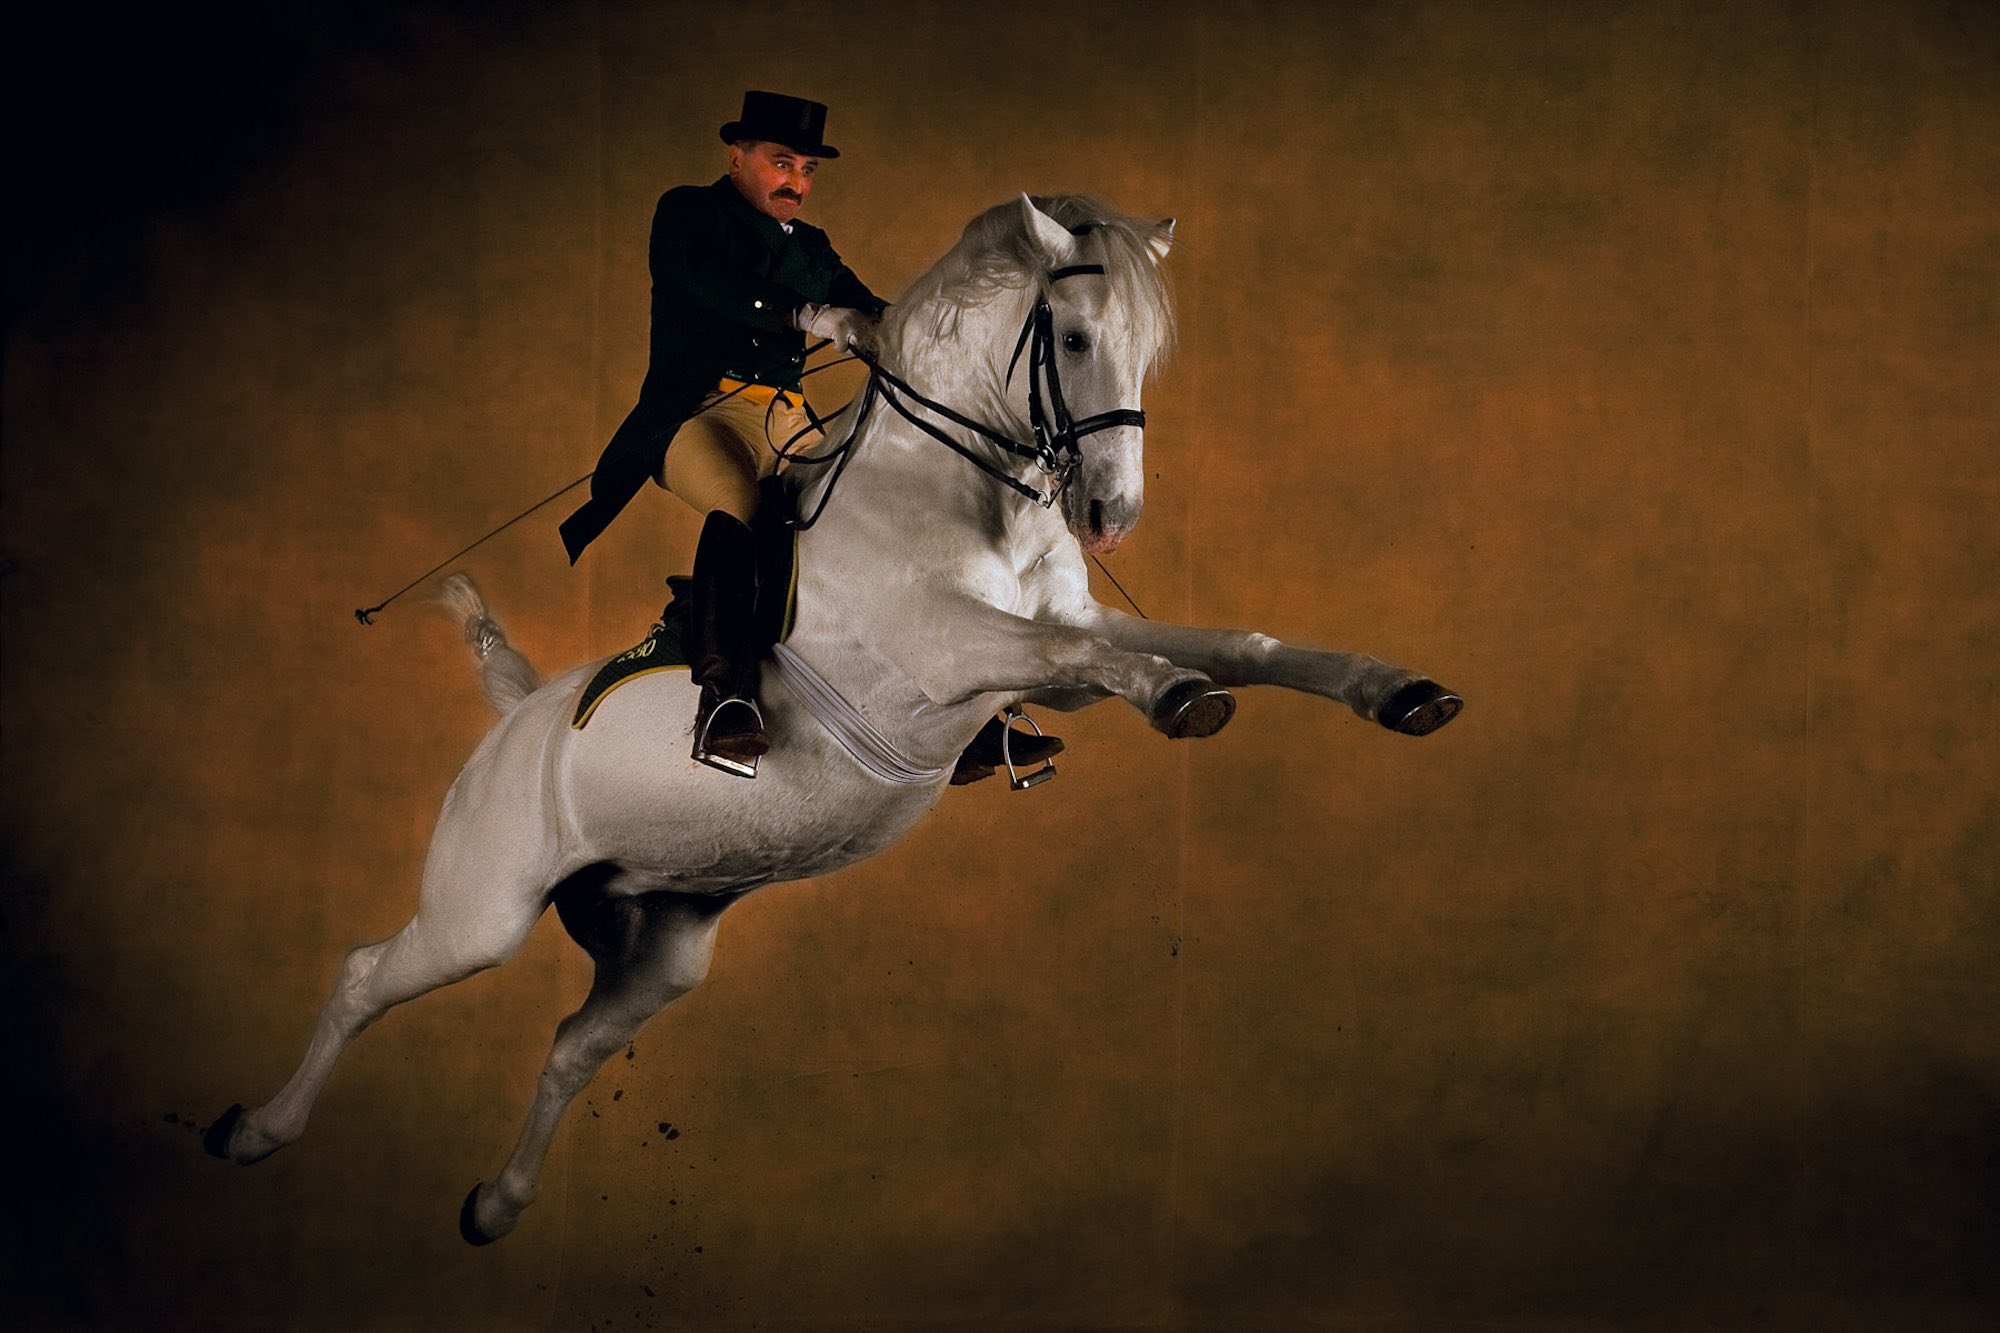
<point x="742" y="768"/>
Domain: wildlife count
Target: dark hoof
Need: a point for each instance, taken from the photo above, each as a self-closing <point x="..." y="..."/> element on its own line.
<point x="1194" y="708"/>
<point x="469" y="1228"/>
<point x="1419" y="708"/>
<point x="216" y="1140"/>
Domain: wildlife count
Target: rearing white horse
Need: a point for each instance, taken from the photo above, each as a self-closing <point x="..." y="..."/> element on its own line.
<point x="930" y="595"/>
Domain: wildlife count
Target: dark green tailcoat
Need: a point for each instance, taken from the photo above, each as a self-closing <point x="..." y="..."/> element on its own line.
<point x="726" y="281"/>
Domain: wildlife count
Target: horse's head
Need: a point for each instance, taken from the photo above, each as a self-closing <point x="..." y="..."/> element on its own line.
<point x="1110" y="319"/>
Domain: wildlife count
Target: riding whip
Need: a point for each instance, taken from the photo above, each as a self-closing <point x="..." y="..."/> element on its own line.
<point x="366" y="614"/>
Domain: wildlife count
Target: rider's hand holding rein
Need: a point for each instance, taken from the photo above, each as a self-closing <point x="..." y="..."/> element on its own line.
<point x="843" y="327"/>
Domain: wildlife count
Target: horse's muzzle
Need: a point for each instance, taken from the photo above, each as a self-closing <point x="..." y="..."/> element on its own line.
<point x="1103" y="524"/>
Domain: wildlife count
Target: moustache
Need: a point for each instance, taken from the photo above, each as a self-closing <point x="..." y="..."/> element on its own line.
<point x="784" y="194"/>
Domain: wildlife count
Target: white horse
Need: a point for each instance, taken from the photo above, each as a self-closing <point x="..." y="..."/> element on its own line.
<point x="933" y="591"/>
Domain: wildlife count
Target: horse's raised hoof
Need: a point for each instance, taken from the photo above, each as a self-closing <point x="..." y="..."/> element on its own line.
<point x="1194" y="707"/>
<point x="1419" y="708"/>
<point x="468" y="1225"/>
<point x="216" y="1139"/>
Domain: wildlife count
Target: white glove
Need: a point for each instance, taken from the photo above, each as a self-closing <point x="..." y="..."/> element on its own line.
<point x="842" y="326"/>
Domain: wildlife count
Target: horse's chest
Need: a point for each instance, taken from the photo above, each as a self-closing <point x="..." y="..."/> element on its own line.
<point x="1042" y="583"/>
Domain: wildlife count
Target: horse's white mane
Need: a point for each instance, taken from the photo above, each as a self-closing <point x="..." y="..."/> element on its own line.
<point x="996" y="253"/>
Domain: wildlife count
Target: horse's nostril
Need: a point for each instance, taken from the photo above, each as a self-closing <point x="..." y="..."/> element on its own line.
<point x="1097" y="515"/>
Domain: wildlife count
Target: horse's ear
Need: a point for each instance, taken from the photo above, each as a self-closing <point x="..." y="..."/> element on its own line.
<point x="1162" y="239"/>
<point x="1050" y="237"/>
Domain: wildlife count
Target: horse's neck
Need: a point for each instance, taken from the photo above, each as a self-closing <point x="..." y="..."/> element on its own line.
<point x="899" y="471"/>
<point x="909" y="513"/>
<point x="966" y="368"/>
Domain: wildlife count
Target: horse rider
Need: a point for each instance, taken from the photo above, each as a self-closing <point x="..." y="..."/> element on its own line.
<point x="739" y="282"/>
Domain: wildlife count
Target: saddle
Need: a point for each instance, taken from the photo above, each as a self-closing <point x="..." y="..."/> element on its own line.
<point x="1026" y="756"/>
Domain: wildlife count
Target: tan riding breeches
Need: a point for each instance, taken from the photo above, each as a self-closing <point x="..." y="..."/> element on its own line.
<point x="718" y="456"/>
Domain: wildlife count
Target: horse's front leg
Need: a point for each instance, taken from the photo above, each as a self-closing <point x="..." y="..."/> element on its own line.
<point x="956" y="649"/>
<point x="1400" y="699"/>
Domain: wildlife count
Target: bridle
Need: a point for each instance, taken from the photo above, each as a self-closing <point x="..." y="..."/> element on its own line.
<point x="1055" y="448"/>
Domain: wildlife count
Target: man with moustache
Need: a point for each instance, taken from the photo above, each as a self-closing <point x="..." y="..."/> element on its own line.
<point x="739" y="282"/>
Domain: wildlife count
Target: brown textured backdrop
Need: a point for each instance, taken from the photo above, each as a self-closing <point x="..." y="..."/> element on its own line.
<point x="1629" y="366"/>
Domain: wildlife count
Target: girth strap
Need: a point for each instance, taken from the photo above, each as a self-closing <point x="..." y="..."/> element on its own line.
<point x="845" y="723"/>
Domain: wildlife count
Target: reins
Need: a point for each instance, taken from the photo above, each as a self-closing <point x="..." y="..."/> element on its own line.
<point x="1055" y="450"/>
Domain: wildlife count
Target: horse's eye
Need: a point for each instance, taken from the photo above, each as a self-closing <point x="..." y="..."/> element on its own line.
<point x="1075" y="342"/>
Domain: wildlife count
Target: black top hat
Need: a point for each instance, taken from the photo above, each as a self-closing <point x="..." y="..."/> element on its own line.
<point x="791" y="121"/>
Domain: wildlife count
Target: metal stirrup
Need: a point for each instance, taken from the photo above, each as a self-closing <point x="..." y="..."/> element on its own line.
<point x="1015" y="780"/>
<point x="703" y="754"/>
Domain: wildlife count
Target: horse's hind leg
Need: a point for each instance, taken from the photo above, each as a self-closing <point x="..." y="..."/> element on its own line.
<point x="649" y="949"/>
<point x="441" y="944"/>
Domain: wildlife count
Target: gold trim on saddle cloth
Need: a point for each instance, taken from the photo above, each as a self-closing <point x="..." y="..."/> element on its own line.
<point x="666" y="645"/>
<point x="662" y="649"/>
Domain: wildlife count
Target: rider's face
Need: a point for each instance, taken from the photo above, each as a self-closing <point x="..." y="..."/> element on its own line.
<point x="774" y="178"/>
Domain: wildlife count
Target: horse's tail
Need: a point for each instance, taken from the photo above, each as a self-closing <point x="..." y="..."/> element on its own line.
<point x="505" y="675"/>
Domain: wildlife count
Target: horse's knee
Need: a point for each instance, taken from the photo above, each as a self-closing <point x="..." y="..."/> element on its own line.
<point x="1077" y="656"/>
<point x="1255" y="652"/>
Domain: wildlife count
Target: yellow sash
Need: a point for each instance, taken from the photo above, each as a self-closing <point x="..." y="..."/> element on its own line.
<point x="756" y="393"/>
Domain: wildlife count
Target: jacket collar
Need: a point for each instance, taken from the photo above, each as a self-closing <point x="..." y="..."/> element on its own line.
<point x="763" y="224"/>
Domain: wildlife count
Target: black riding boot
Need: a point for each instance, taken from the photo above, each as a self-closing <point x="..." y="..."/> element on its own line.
<point x="728" y="729"/>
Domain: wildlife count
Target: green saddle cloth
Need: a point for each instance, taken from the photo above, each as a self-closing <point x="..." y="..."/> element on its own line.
<point x="668" y="644"/>
<point x="663" y="649"/>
